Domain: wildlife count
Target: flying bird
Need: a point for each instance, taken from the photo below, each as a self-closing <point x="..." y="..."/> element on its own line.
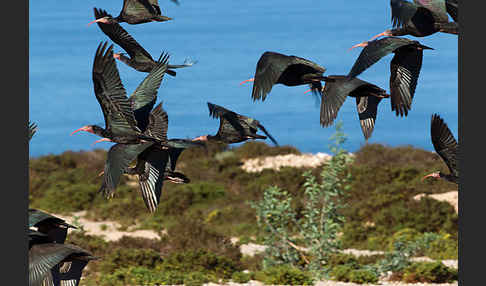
<point x="53" y="227"/>
<point x="139" y="58"/>
<point x="32" y="129"/>
<point x="136" y="12"/>
<point x="273" y="68"/>
<point x="446" y="146"/>
<point x="121" y="155"/>
<point x="367" y="95"/>
<point x="233" y="127"/>
<point x="422" y="18"/>
<point x="157" y="163"/>
<point x="121" y="124"/>
<point x="55" y="263"/>
<point x="404" y="67"/>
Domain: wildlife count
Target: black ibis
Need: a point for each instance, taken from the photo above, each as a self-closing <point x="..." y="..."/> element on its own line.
<point x="139" y="58"/>
<point x="32" y="129"/>
<point x="404" y="67"/>
<point x="154" y="165"/>
<point x="367" y="95"/>
<point x="158" y="163"/>
<point x="233" y="127"/>
<point x="121" y="155"/>
<point x="446" y="146"/>
<point x="118" y="110"/>
<point x="55" y="263"/>
<point x="273" y="68"/>
<point x="421" y="18"/>
<point x="142" y="100"/>
<point x="55" y="228"/>
<point x="136" y="12"/>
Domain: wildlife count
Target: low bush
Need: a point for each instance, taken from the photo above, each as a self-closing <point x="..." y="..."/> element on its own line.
<point x="427" y="272"/>
<point x="284" y="275"/>
<point x="241" y="277"/>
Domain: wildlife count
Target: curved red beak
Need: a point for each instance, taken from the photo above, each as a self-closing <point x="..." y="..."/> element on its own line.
<point x="84" y="128"/>
<point x="251" y="79"/>
<point x="102" y="140"/>
<point x="201" y="138"/>
<point x="434" y="175"/>
<point x="363" y="44"/>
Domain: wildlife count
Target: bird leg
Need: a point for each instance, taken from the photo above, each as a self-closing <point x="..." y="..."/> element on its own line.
<point x="101" y="140"/>
<point x="251" y="79"/>
<point x="434" y="175"/>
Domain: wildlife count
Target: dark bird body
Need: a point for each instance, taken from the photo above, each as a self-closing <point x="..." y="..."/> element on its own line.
<point x="142" y="100"/>
<point x="56" y="263"/>
<point x="139" y="58"/>
<point x="273" y="68"/>
<point x="158" y="163"/>
<point x="118" y="110"/>
<point x="446" y="146"/>
<point x="367" y="95"/>
<point x="422" y="18"/>
<point x="404" y="67"/>
<point x="54" y="227"/>
<point x="233" y="127"/>
<point x="137" y="12"/>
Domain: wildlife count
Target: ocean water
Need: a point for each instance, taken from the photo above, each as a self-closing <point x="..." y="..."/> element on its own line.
<point x="227" y="38"/>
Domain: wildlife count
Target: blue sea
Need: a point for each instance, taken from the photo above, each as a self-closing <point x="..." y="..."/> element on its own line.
<point x="227" y="38"/>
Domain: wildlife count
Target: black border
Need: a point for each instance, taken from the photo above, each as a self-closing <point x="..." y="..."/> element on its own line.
<point x="14" y="118"/>
<point x="472" y="100"/>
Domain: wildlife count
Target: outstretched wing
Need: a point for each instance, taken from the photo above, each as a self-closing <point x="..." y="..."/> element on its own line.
<point x="267" y="133"/>
<point x="405" y="69"/>
<point x="111" y="94"/>
<point x="367" y="109"/>
<point x="137" y="8"/>
<point x="122" y="38"/>
<point x="38" y="216"/>
<point x="144" y="97"/>
<point x="229" y="120"/>
<point x="444" y="143"/>
<point x="43" y="257"/>
<point x="158" y="123"/>
<point x="333" y="96"/>
<point x="119" y="158"/>
<point x="151" y="182"/>
<point x="374" y="51"/>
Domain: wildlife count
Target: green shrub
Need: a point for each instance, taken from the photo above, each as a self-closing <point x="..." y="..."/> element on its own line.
<point x="362" y="276"/>
<point x="140" y="276"/>
<point x="125" y="257"/>
<point x="200" y="261"/>
<point x="195" y="279"/>
<point x="241" y="277"/>
<point x="351" y="273"/>
<point x="430" y="272"/>
<point x="442" y="248"/>
<point x="284" y="275"/>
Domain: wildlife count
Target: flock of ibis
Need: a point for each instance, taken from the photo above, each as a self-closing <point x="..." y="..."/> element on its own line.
<point x="139" y="130"/>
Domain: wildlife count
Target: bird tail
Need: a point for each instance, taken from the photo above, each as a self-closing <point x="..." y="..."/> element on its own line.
<point x="268" y="134"/>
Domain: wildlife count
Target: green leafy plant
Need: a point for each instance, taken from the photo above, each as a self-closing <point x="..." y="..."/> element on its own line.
<point x="318" y="224"/>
